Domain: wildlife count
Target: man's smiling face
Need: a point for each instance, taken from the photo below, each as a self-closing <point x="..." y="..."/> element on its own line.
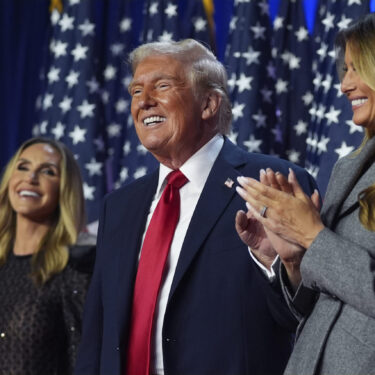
<point x="166" y="113"/>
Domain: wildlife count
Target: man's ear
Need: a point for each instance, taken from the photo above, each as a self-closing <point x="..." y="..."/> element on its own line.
<point x="210" y="105"/>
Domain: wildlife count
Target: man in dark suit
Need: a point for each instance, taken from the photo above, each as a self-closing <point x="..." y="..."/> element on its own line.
<point x="216" y="312"/>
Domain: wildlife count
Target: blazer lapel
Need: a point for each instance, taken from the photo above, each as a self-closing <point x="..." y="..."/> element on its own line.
<point x="215" y="197"/>
<point x="343" y="182"/>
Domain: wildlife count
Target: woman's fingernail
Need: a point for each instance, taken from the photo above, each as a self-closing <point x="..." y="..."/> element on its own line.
<point x="240" y="190"/>
<point x="241" y="180"/>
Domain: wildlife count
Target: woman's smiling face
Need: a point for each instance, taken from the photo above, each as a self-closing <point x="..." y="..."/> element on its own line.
<point x="360" y="95"/>
<point x="35" y="182"/>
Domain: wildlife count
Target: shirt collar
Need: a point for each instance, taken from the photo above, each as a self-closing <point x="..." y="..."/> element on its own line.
<point x="198" y="166"/>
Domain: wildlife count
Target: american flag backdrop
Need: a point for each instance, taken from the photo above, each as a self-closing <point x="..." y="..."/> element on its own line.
<point x="292" y="54"/>
<point x="265" y="65"/>
<point x="251" y="76"/>
<point x="282" y="82"/>
<point x="84" y="100"/>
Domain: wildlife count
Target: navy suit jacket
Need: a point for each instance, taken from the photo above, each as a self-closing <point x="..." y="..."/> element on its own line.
<point x="223" y="316"/>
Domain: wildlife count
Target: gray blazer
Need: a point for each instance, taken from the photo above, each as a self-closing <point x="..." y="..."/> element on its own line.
<point x="336" y="302"/>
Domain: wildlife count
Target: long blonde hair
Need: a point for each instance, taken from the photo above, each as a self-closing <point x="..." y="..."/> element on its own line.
<point x="52" y="254"/>
<point x="360" y="38"/>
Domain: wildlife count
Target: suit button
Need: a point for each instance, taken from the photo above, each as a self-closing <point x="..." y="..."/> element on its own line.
<point x="117" y="348"/>
<point x="169" y="340"/>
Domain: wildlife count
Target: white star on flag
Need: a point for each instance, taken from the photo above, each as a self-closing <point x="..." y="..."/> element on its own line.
<point x="53" y="75"/>
<point x="302" y="34"/>
<point x="59" y="48"/>
<point x="114" y="130"/>
<point x="252" y="144"/>
<point x="171" y="10"/>
<point x="353" y="127"/>
<point x="258" y="31"/>
<point x="87" y="28"/>
<point x="125" y="24"/>
<point x="86" y="109"/>
<point x="78" y="134"/>
<point x="237" y="110"/>
<point x="300" y="127"/>
<point x="244" y="83"/>
<point x="79" y="52"/>
<point x="72" y="78"/>
<point x="110" y="72"/>
<point x="66" y="22"/>
<point x="322" y="144"/>
<point x="94" y="167"/>
<point x="66" y="104"/>
<point x="332" y="115"/>
<point x="88" y="191"/>
<point x="58" y="130"/>
<point x="344" y="150"/>
<point x="281" y="86"/>
<point x="200" y="24"/>
<point x="47" y="101"/>
<point x="251" y="56"/>
<point x="153" y="8"/>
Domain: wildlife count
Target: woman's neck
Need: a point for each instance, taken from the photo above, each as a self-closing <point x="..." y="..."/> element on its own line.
<point x="28" y="236"/>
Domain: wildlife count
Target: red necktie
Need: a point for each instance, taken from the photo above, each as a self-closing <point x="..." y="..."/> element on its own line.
<point x="154" y="253"/>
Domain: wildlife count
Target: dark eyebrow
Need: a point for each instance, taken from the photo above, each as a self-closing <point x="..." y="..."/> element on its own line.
<point x="45" y="164"/>
<point x="50" y="165"/>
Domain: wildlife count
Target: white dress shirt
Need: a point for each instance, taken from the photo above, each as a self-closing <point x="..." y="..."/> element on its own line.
<point x="271" y="274"/>
<point x="196" y="169"/>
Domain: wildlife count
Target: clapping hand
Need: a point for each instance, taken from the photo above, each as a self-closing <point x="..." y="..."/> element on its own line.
<point x="267" y="234"/>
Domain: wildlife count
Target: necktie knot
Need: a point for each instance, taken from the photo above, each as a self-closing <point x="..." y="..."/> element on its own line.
<point x="177" y="179"/>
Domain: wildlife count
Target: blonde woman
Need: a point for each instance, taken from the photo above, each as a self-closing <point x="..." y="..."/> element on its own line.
<point x="329" y="277"/>
<point x="42" y="287"/>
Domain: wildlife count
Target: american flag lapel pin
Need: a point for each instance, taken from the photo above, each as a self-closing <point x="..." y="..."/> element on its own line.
<point x="229" y="183"/>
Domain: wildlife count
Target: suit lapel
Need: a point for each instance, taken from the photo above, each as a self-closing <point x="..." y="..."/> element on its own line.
<point x="135" y="210"/>
<point x="215" y="197"/>
<point x="343" y="182"/>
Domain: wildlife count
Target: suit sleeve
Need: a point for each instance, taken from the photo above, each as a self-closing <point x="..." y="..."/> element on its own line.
<point x="277" y="305"/>
<point x="300" y="302"/>
<point x="89" y="353"/>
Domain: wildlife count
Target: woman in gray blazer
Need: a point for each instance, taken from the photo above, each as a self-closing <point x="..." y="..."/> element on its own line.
<point x="328" y="268"/>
